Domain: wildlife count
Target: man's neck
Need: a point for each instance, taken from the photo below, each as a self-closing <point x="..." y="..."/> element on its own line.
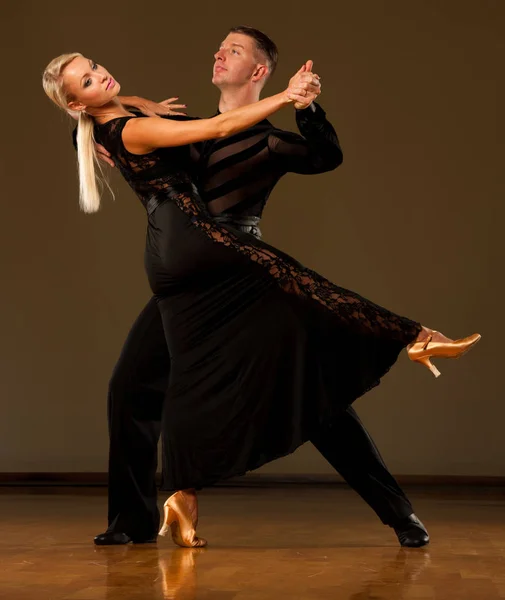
<point x="236" y="97"/>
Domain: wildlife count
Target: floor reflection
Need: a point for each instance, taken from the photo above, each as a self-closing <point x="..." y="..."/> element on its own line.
<point x="149" y="572"/>
<point x="171" y="574"/>
<point x="178" y="572"/>
<point x="396" y="577"/>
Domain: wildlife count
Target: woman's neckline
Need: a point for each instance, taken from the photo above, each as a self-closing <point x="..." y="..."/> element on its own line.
<point x="115" y="119"/>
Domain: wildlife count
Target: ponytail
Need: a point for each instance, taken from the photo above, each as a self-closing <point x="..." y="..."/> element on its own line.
<point x="87" y="161"/>
<point x="90" y="170"/>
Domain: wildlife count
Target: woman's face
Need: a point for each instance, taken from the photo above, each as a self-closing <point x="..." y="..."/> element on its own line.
<point x="88" y="84"/>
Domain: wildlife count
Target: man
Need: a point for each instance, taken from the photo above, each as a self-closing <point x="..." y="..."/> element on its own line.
<point x="235" y="177"/>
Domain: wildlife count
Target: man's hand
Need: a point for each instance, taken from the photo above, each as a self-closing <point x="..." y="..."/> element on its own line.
<point x="153" y="109"/>
<point x="103" y="155"/>
<point x="311" y="83"/>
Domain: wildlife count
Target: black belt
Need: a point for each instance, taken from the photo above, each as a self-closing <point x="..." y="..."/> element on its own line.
<point x="237" y="220"/>
<point x="154" y="201"/>
<point x="152" y="204"/>
<point x="242" y="223"/>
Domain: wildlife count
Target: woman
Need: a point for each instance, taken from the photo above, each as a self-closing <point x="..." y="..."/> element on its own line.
<point x="262" y="349"/>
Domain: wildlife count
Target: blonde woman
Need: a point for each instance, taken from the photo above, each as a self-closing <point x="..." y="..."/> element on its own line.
<point x="262" y="348"/>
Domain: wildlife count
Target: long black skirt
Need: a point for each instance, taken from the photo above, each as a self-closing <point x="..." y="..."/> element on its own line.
<point x="262" y="349"/>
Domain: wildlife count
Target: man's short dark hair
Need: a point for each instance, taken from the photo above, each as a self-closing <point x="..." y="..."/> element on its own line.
<point x="263" y="43"/>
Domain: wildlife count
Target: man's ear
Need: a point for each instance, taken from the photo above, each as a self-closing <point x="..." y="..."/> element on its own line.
<point x="261" y="72"/>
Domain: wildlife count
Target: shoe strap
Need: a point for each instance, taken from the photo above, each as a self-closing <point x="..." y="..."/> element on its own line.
<point x="428" y="340"/>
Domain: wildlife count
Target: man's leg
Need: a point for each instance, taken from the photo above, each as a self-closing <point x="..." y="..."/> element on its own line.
<point x="137" y="391"/>
<point x="348" y="447"/>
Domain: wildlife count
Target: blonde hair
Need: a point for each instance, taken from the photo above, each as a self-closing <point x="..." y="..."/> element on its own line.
<point x="90" y="171"/>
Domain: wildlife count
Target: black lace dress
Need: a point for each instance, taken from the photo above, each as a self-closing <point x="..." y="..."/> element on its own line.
<point x="261" y="347"/>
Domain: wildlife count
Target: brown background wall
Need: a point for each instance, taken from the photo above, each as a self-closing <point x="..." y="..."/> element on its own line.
<point x="412" y="220"/>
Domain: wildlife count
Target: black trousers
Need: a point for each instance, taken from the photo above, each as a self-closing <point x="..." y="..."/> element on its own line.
<point x="136" y="397"/>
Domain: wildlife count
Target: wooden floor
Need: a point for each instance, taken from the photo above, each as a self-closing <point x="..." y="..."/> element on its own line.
<point x="294" y="542"/>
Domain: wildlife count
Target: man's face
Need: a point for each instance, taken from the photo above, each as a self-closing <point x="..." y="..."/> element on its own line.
<point x="236" y="61"/>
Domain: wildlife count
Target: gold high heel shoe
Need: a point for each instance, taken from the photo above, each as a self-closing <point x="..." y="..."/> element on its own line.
<point x="179" y="520"/>
<point x="424" y="350"/>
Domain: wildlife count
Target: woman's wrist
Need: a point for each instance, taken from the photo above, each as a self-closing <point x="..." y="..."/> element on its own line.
<point x="285" y="97"/>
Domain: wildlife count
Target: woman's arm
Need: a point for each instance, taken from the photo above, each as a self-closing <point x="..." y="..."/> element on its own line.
<point x="144" y="135"/>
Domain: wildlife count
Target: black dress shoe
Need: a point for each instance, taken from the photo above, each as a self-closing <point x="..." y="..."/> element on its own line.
<point x="110" y="538"/>
<point x="411" y="532"/>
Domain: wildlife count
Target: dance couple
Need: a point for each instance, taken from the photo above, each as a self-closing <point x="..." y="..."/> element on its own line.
<point x="242" y="354"/>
